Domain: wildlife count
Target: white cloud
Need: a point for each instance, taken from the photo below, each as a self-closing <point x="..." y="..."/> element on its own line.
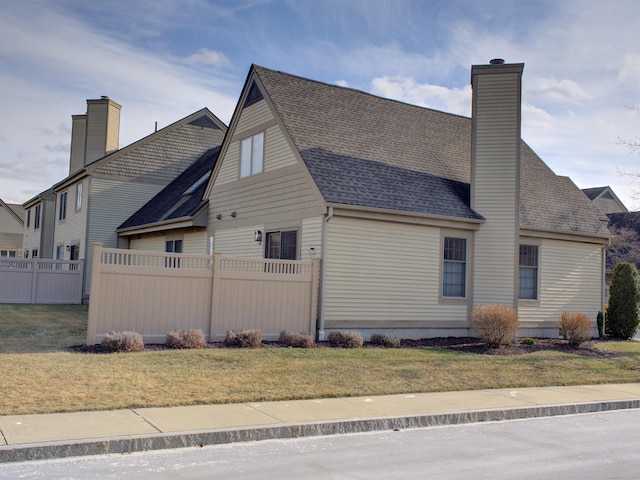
<point x="557" y="91"/>
<point x="208" y="57"/>
<point x="630" y="69"/>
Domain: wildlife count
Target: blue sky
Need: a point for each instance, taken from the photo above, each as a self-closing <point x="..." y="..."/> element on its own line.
<point x="162" y="60"/>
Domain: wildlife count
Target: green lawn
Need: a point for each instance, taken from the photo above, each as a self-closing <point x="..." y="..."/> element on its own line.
<point x="40" y="376"/>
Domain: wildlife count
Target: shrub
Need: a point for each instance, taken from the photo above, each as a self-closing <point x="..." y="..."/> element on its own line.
<point x="600" y="323"/>
<point x="624" y="297"/>
<point x="297" y="340"/>
<point x="186" y="339"/>
<point x="575" y="327"/>
<point x="528" y="341"/>
<point x="123" y="341"/>
<point x="495" y="324"/>
<point x="385" y="340"/>
<point x="345" y="339"/>
<point x="244" y="338"/>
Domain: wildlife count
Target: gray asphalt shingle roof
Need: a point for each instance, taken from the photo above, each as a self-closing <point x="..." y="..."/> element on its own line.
<point x="370" y="151"/>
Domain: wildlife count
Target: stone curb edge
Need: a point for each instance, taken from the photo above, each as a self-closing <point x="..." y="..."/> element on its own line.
<point x="163" y="441"/>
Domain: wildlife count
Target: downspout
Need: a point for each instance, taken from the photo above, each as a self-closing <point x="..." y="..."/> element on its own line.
<point x="323" y="274"/>
<point x="604" y="283"/>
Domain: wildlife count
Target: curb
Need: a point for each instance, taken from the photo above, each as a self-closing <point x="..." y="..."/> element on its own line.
<point x="163" y="441"/>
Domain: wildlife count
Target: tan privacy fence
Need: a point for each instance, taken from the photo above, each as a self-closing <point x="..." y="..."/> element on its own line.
<point x="155" y="292"/>
<point x="40" y="280"/>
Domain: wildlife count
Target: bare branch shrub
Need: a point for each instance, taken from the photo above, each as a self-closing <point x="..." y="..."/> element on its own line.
<point x="243" y="338"/>
<point x="575" y="327"/>
<point x="495" y="324"/>
<point x="385" y="340"/>
<point x="186" y="339"/>
<point x="297" y="340"/>
<point x="123" y="341"/>
<point x="345" y="339"/>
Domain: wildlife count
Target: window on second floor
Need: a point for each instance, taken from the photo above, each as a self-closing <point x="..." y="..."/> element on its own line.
<point x="78" y="196"/>
<point x="36" y="218"/>
<point x="62" y="211"/>
<point x="29" y="218"/>
<point x="251" y="155"/>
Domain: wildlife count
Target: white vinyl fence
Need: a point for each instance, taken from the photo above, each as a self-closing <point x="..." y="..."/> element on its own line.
<point x="40" y="280"/>
<point x="155" y="292"/>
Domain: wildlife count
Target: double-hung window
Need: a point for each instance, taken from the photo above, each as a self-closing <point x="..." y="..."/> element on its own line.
<point x="36" y="219"/>
<point x="282" y="245"/>
<point x="62" y="213"/>
<point x="454" y="267"/>
<point x="528" y="277"/>
<point x="78" y="196"/>
<point x="251" y="155"/>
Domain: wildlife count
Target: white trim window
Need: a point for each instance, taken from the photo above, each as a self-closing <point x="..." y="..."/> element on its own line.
<point x="62" y="214"/>
<point x="251" y="155"/>
<point x="528" y="275"/>
<point x="454" y="267"/>
<point x="282" y="245"/>
<point x="78" y="196"/>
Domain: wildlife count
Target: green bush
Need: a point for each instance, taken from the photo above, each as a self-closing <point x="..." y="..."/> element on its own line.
<point x="575" y="327"/>
<point x="345" y="339"/>
<point x="243" y="338"/>
<point x="123" y="341"/>
<point x="528" y="341"/>
<point x="624" y="298"/>
<point x="385" y="340"/>
<point x="297" y="340"/>
<point x="600" y="323"/>
<point x="185" y="339"/>
<point x="495" y="324"/>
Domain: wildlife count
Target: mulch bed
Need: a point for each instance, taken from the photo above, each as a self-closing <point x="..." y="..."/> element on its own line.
<point x="459" y="344"/>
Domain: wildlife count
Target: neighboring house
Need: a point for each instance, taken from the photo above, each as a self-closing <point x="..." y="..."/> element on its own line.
<point x="605" y="200"/>
<point x="175" y="220"/>
<point x="39" y="223"/>
<point x="106" y="185"/>
<point x="417" y="215"/>
<point x="11" y="230"/>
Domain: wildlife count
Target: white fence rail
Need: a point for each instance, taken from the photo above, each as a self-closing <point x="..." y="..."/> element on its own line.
<point x="153" y="292"/>
<point x="40" y="280"/>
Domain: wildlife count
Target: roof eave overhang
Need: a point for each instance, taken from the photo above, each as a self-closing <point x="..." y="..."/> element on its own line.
<point x="599" y="238"/>
<point x="173" y="224"/>
<point x="356" y="211"/>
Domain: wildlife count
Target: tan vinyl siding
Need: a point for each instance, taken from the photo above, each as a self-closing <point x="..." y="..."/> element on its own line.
<point x="570" y="280"/>
<point x="311" y="237"/>
<point x="269" y="198"/>
<point x="96" y="130"/>
<point x="385" y="275"/>
<point x="239" y="242"/>
<point x="154" y="243"/>
<point x="230" y="167"/>
<point x="71" y="230"/>
<point x="253" y="116"/>
<point x="78" y="138"/>
<point x="195" y="242"/>
<point x="111" y="203"/>
<point x="495" y="187"/>
<point x="277" y="152"/>
<point x="113" y="130"/>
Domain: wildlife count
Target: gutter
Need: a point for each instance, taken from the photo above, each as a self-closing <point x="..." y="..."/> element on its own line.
<point x="323" y="274"/>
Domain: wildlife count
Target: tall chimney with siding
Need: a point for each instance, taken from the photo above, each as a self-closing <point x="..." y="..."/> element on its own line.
<point x="95" y="133"/>
<point x="495" y="180"/>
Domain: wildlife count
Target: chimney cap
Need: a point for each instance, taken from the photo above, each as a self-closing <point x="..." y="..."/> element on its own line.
<point x="497" y="61"/>
<point x="105" y="97"/>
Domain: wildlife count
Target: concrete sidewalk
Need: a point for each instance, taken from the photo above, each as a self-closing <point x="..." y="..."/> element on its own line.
<point x="32" y="437"/>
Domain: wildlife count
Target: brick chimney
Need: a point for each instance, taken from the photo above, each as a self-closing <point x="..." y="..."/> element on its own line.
<point x="94" y="134"/>
<point x="495" y="180"/>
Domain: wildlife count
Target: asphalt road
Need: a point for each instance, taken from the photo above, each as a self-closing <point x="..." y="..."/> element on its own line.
<point x="593" y="446"/>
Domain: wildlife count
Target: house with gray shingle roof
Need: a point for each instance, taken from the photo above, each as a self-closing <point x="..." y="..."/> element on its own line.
<point x="11" y="229"/>
<point x="175" y="220"/>
<point x="417" y="215"/>
<point x="107" y="184"/>
<point x="605" y="199"/>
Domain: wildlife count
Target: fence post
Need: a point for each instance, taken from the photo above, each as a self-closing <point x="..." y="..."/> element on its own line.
<point x="313" y="314"/>
<point x="94" y="294"/>
<point x="215" y="294"/>
<point x="34" y="280"/>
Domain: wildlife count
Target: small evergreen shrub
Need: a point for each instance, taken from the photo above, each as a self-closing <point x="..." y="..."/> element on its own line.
<point x="186" y="339"/>
<point x="528" y="341"/>
<point x="345" y="339"/>
<point x="575" y="327"/>
<point x="600" y="324"/>
<point x="495" y="324"/>
<point x="297" y="340"/>
<point x="244" y="338"/>
<point x="123" y="341"/>
<point x="385" y="340"/>
<point x="624" y="302"/>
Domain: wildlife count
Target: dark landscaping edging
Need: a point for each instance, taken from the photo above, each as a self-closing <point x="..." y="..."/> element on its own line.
<point x="162" y="441"/>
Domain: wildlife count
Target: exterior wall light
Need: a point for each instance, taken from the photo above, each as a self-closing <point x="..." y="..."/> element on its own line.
<point x="257" y="236"/>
